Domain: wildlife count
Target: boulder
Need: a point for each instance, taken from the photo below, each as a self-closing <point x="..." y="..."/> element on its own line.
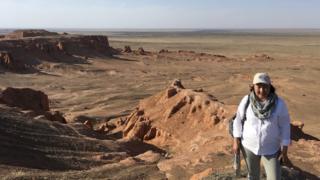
<point x="102" y="129"/>
<point x="141" y="51"/>
<point x="149" y="157"/>
<point x="163" y="51"/>
<point x="7" y="61"/>
<point x="177" y="84"/>
<point x="203" y="174"/>
<point x="6" y="58"/>
<point x="261" y="57"/>
<point x="88" y="124"/>
<point x="127" y="49"/>
<point x="55" y="116"/>
<point x="61" y="46"/>
<point x="25" y="98"/>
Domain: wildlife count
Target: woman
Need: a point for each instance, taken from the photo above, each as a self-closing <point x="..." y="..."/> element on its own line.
<point x="266" y="130"/>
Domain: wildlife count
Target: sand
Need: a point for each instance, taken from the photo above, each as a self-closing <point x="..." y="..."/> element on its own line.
<point x="111" y="87"/>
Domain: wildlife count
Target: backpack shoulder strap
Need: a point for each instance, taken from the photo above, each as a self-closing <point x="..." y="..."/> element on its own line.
<point x="245" y="111"/>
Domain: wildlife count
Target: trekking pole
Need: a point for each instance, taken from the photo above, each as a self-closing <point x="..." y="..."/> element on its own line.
<point x="236" y="164"/>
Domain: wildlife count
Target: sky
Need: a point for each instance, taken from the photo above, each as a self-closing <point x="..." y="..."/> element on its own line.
<point x="149" y="14"/>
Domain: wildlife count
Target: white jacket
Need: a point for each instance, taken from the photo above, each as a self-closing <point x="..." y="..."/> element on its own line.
<point x="263" y="137"/>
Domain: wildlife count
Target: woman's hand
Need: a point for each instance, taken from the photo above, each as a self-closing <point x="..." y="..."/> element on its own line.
<point x="236" y="145"/>
<point x="284" y="155"/>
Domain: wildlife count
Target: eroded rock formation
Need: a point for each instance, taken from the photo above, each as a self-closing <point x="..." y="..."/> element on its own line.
<point x="25" y="98"/>
<point x="127" y="49"/>
<point x="141" y="51"/>
<point x="29" y="99"/>
<point x="7" y="61"/>
<point x="173" y="114"/>
<point x="23" y="53"/>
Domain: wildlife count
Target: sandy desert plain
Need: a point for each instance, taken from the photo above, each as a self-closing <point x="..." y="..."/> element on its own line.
<point x="215" y="67"/>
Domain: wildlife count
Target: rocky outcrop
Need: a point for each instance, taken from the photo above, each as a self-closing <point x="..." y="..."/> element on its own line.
<point x="42" y="144"/>
<point x="163" y="51"/>
<point x="141" y="51"/>
<point x="42" y="147"/>
<point x="27" y="53"/>
<point x="25" y="98"/>
<point x="127" y="49"/>
<point x="55" y="116"/>
<point x="29" y="99"/>
<point x="7" y="61"/>
<point x="164" y="117"/>
<point x="259" y="57"/>
<point x="296" y="130"/>
<point x="61" y="46"/>
<point x="187" y="55"/>
<point x="262" y="57"/>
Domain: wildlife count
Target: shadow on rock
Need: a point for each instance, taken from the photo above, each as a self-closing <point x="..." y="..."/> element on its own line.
<point x="297" y="132"/>
<point x="136" y="147"/>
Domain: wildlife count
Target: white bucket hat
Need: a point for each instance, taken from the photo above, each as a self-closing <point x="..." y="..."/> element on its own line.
<point x="261" y="78"/>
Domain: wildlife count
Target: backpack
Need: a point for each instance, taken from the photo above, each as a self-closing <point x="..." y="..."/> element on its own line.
<point x="242" y="120"/>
